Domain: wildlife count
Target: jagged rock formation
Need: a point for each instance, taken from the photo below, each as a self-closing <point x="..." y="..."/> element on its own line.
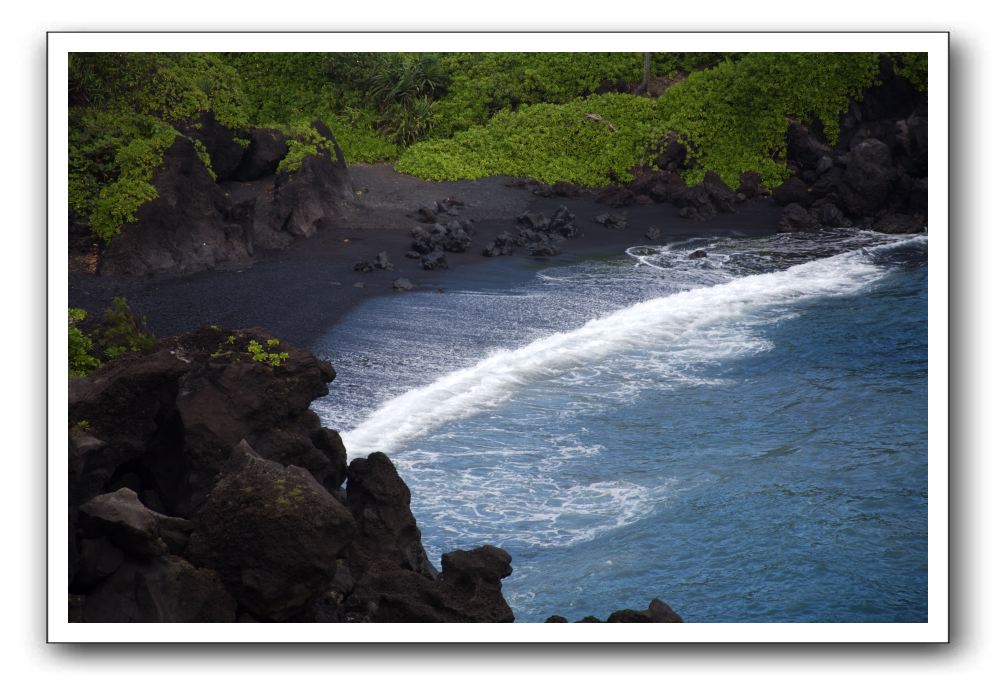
<point x="198" y="221"/>
<point x="199" y="475"/>
<point x="202" y="488"/>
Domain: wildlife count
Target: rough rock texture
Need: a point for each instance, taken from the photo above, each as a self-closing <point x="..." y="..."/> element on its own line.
<point x="467" y="590"/>
<point x="222" y="145"/>
<point x="273" y="533"/>
<point x="302" y="201"/>
<point x="658" y="612"/>
<point x="381" y="505"/>
<point x="266" y="148"/>
<point x="187" y="228"/>
<point x="163" y="590"/>
<point x="199" y="222"/>
<point x="796" y="218"/>
<point x="170" y="419"/>
<point x="125" y="521"/>
<point x="202" y="488"/>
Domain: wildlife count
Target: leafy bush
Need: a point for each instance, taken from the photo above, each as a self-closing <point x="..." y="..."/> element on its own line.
<point x="291" y="89"/>
<point x="128" y="109"/>
<point x="123" y="332"/>
<point x="593" y="141"/>
<point x="913" y="66"/>
<point x="734" y="117"/>
<point x="485" y="83"/>
<point x="81" y="359"/>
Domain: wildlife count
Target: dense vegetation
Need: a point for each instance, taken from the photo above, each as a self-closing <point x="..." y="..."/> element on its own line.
<point x="456" y="115"/>
<point x="732" y="117"/>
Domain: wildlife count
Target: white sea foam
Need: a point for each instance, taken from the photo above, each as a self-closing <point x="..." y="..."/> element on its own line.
<point x="684" y="322"/>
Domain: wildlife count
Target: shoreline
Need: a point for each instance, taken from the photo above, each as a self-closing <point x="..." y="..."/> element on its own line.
<point x="300" y="292"/>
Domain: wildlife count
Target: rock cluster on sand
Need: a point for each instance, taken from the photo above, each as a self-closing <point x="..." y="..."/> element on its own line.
<point x="537" y="233"/>
<point x="874" y="177"/>
<point x="202" y="488"/>
<point x="380" y="262"/>
<point x="198" y="221"/>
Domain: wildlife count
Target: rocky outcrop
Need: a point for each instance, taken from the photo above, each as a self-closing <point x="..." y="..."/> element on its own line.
<point x="658" y="612"/>
<point x="874" y="177"/>
<point x="200" y="221"/>
<point x="272" y="532"/>
<point x="202" y="488"/>
<point x="188" y="227"/>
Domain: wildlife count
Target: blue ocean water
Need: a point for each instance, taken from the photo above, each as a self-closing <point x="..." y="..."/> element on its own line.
<point x="743" y="435"/>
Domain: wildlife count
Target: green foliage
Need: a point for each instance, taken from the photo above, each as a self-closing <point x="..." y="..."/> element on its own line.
<point x="302" y="141"/>
<point x="261" y="355"/>
<point x="126" y="111"/>
<point x="547" y="142"/>
<point x="484" y="83"/>
<point x="123" y="332"/>
<point x="171" y="86"/>
<point x="734" y="117"/>
<point x="913" y="66"/>
<point x="81" y="359"/>
<point x="291" y="89"/>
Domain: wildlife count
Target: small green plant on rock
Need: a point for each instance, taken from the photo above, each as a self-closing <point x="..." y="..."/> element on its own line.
<point x="124" y="332"/>
<point x="81" y="360"/>
<point x="261" y="355"/>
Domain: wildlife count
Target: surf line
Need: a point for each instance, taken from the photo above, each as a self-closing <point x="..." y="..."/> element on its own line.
<point x="665" y="322"/>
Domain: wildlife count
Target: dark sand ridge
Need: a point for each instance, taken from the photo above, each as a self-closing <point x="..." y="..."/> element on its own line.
<point x="300" y="292"/>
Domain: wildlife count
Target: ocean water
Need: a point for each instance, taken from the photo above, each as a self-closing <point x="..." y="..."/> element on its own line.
<point x="743" y="435"/>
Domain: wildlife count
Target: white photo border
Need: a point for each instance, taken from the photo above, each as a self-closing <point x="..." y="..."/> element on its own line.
<point x="935" y="629"/>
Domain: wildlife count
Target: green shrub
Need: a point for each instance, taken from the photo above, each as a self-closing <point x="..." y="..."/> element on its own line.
<point x="81" y="359"/>
<point x="734" y="117"/>
<point x="123" y="332"/>
<point x="593" y="141"/>
<point x="913" y="66"/>
<point x="484" y="83"/>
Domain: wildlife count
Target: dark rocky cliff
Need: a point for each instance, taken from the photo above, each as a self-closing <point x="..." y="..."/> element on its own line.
<point x="203" y="488"/>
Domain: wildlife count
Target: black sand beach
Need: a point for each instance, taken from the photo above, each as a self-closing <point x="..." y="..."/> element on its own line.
<point x="299" y="292"/>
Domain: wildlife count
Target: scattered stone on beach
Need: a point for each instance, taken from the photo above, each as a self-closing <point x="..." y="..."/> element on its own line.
<point x="562" y="223"/>
<point x="434" y="261"/>
<point x="612" y="221"/>
<point x="413" y="255"/>
<point x="380" y="262"/>
<point x="403" y="284"/>
<point x="652" y="233"/>
<point x="504" y="244"/>
<point x="454" y="236"/>
<point x="695" y="255"/>
<point x="544" y="249"/>
<point x="430" y="213"/>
